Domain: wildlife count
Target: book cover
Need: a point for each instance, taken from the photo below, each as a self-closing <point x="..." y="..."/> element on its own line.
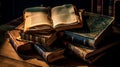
<point x="105" y="7"/>
<point x="44" y="39"/>
<point x="44" y="19"/>
<point x="19" y="46"/>
<point x="100" y="6"/>
<point x="97" y="27"/>
<point x="88" y="54"/>
<point x="51" y="53"/>
<point x="110" y="7"/>
<point x="94" y="6"/>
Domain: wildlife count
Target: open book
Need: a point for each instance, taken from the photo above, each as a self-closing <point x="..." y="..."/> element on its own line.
<point x="44" y="19"/>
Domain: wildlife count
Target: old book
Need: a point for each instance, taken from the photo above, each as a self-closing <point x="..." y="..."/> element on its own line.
<point x="44" y="19"/>
<point x="88" y="54"/>
<point x="94" y="6"/>
<point x="100" y="6"/>
<point x="19" y="46"/>
<point x="45" y="40"/>
<point x="51" y="53"/>
<point x="97" y="27"/>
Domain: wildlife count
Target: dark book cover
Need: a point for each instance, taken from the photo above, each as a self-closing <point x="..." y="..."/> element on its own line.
<point x="44" y="39"/>
<point x="98" y="26"/>
<point x="19" y="46"/>
<point x="52" y="53"/>
<point x="91" y="55"/>
<point x="94" y="6"/>
<point x="100" y="6"/>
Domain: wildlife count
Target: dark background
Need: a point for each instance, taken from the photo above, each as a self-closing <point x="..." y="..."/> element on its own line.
<point x="12" y="9"/>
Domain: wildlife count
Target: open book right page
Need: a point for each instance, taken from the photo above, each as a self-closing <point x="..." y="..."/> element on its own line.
<point x="65" y="17"/>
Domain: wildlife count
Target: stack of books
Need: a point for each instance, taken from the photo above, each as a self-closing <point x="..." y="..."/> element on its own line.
<point x="51" y="31"/>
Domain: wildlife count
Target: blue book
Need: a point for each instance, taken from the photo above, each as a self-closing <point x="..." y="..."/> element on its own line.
<point x="95" y="28"/>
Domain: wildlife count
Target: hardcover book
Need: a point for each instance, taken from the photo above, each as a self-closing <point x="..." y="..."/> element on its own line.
<point x="88" y="54"/>
<point x="19" y="46"/>
<point x="51" y="53"/>
<point x="44" y="39"/>
<point x="100" y="6"/>
<point x="44" y="19"/>
<point x="97" y="27"/>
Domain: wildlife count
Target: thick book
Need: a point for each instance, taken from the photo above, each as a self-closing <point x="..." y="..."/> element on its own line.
<point x="96" y="28"/>
<point x="19" y="46"/>
<point x="44" y="39"/>
<point x="88" y="54"/>
<point x="51" y="53"/>
<point x="45" y="19"/>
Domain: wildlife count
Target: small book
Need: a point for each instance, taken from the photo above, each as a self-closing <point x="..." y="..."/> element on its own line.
<point x="95" y="28"/>
<point x="44" y="19"/>
<point x="19" y="46"/>
<point x="45" y="40"/>
<point x="52" y="53"/>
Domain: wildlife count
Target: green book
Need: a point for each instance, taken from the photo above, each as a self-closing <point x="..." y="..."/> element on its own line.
<point x="95" y="28"/>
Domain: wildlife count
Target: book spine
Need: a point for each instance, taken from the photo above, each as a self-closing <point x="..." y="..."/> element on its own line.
<point x="79" y="51"/>
<point x="34" y="38"/>
<point x="92" y="1"/>
<point x="12" y="41"/>
<point x="49" y="56"/>
<point x="105" y="8"/>
<point x="110" y="7"/>
<point x="94" y="6"/>
<point x="117" y="13"/>
<point x="114" y="7"/>
<point x="78" y="39"/>
<point x="41" y="51"/>
<point x="100" y="6"/>
<point x="19" y="46"/>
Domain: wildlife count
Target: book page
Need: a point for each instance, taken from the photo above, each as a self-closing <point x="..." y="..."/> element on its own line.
<point x="36" y="16"/>
<point x="63" y="15"/>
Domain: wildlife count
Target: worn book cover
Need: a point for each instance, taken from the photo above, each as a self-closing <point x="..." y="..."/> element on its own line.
<point x="19" y="46"/>
<point x="44" y="39"/>
<point x="52" y="53"/>
<point x="95" y="28"/>
<point x="45" y="19"/>
<point x="89" y="54"/>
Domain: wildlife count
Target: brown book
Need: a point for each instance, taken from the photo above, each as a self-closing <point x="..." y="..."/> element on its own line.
<point x="45" y="40"/>
<point x="88" y="54"/>
<point x="44" y="20"/>
<point x="20" y="46"/>
<point x="100" y="6"/>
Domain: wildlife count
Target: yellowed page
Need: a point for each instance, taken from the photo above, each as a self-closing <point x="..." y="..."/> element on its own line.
<point x="63" y="15"/>
<point x="35" y="18"/>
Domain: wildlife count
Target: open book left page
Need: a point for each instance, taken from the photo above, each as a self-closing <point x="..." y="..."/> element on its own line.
<point x="37" y="19"/>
